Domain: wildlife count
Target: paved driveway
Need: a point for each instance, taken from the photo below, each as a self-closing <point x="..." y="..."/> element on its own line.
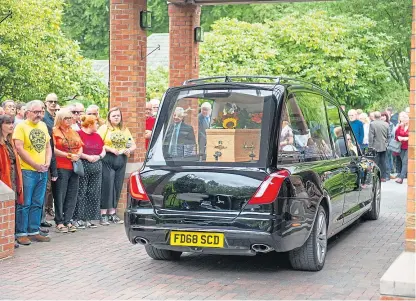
<point x="101" y="264"/>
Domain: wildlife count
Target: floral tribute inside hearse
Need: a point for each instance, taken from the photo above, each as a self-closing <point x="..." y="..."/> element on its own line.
<point x="223" y="126"/>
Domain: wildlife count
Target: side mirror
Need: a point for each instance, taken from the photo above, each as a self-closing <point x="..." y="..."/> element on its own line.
<point x="370" y="152"/>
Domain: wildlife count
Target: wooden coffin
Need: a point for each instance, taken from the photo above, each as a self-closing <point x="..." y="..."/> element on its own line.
<point x="230" y="142"/>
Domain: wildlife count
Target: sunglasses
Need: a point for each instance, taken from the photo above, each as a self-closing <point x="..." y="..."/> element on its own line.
<point x="76" y="112"/>
<point x="52" y="101"/>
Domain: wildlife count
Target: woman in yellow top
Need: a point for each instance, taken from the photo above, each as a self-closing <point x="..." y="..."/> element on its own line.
<point x="118" y="144"/>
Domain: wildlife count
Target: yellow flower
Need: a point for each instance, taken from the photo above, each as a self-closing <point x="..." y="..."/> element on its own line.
<point x="229" y="123"/>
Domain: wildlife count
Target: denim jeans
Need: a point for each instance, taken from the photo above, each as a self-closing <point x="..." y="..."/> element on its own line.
<point x="29" y="214"/>
<point x="403" y="156"/>
<point x="389" y="164"/>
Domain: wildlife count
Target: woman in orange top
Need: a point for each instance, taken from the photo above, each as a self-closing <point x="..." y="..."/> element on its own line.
<point x="10" y="172"/>
<point x="68" y="149"/>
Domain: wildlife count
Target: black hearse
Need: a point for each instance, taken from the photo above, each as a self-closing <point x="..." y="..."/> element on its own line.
<point x="245" y="165"/>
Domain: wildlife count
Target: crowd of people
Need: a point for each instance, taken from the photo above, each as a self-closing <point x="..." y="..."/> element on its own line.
<point x="66" y="162"/>
<point x="388" y="134"/>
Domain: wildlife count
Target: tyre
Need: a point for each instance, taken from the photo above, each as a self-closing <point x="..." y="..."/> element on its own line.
<point x="374" y="213"/>
<point x="311" y="256"/>
<point x="160" y="254"/>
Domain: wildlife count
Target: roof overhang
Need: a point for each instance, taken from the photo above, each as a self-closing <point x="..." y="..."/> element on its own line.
<point x="219" y="2"/>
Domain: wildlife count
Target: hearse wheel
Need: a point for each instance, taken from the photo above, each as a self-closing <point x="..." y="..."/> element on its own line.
<point x="160" y="254"/>
<point x="374" y="213"/>
<point x="311" y="256"/>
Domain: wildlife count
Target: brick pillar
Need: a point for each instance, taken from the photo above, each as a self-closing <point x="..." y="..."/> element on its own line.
<point x="398" y="282"/>
<point x="128" y="43"/>
<point x="7" y="218"/>
<point x="184" y="52"/>
<point x="411" y="179"/>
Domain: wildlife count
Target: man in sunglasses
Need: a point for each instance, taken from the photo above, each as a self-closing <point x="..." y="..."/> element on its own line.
<point x="77" y="110"/>
<point x="31" y="138"/>
<point x="51" y="103"/>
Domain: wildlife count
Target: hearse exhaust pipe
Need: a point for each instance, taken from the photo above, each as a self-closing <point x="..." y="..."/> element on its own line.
<point x="261" y="248"/>
<point x="141" y="240"/>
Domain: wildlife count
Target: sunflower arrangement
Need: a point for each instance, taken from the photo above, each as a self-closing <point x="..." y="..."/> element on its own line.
<point x="237" y="119"/>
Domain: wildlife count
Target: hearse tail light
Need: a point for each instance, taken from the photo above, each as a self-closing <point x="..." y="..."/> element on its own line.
<point x="269" y="189"/>
<point x="136" y="188"/>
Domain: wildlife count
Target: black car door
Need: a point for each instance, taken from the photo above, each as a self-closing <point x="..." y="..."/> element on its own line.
<point x="355" y="175"/>
<point x="305" y="144"/>
<point x="341" y="180"/>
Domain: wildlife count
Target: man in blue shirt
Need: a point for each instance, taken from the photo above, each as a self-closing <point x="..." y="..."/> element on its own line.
<point x="357" y="127"/>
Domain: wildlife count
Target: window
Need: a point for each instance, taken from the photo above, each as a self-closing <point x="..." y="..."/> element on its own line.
<point x="351" y="142"/>
<point x="344" y="142"/>
<point x="337" y="134"/>
<point x="304" y="134"/>
<point x="203" y="126"/>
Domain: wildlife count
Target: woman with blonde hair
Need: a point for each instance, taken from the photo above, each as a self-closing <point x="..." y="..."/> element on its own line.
<point x="68" y="149"/>
<point x="118" y="144"/>
<point x="89" y="194"/>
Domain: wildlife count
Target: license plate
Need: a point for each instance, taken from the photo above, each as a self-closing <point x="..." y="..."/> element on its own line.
<point x="197" y="239"/>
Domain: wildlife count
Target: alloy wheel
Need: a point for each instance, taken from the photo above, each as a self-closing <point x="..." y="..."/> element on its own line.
<point x="377" y="197"/>
<point x="321" y="240"/>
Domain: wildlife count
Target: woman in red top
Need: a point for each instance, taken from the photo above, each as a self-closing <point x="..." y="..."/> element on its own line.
<point x="68" y="148"/>
<point x="402" y="135"/>
<point x="89" y="193"/>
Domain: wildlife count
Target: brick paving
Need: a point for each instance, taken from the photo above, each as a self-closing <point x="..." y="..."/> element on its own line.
<point x="101" y="264"/>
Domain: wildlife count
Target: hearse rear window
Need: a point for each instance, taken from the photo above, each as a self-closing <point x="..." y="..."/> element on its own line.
<point x="217" y="126"/>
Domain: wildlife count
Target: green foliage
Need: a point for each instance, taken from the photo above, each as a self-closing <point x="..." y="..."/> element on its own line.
<point x="396" y="96"/>
<point x="393" y="17"/>
<point x="36" y="58"/>
<point x="160" y="18"/>
<point x="157" y="82"/>
<point x="88" y="23"/>
<point x="340" y="54"/>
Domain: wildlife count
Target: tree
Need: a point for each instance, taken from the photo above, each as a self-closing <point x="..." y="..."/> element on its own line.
<point x="156" y="82"/>
<point x="36" y="58"/>
<point x="340" y="54"/>
<point x="88" y="23"/>
<point x="393" y="17"/>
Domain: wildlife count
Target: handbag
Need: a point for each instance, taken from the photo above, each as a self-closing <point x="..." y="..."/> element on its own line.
<point x="78" y="168"/>
<point x="76" y="165"/>
<point x="394" y="146"/>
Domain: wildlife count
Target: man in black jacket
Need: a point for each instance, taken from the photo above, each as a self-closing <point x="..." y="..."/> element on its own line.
<point x="51" y="102"/>
<point x="180" y="139"/>
<point x="204" y="121"/>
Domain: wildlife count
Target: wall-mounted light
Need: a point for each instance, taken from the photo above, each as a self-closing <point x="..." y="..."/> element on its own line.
<point x="199" y="34"/>
<point x="145" y="19"/>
